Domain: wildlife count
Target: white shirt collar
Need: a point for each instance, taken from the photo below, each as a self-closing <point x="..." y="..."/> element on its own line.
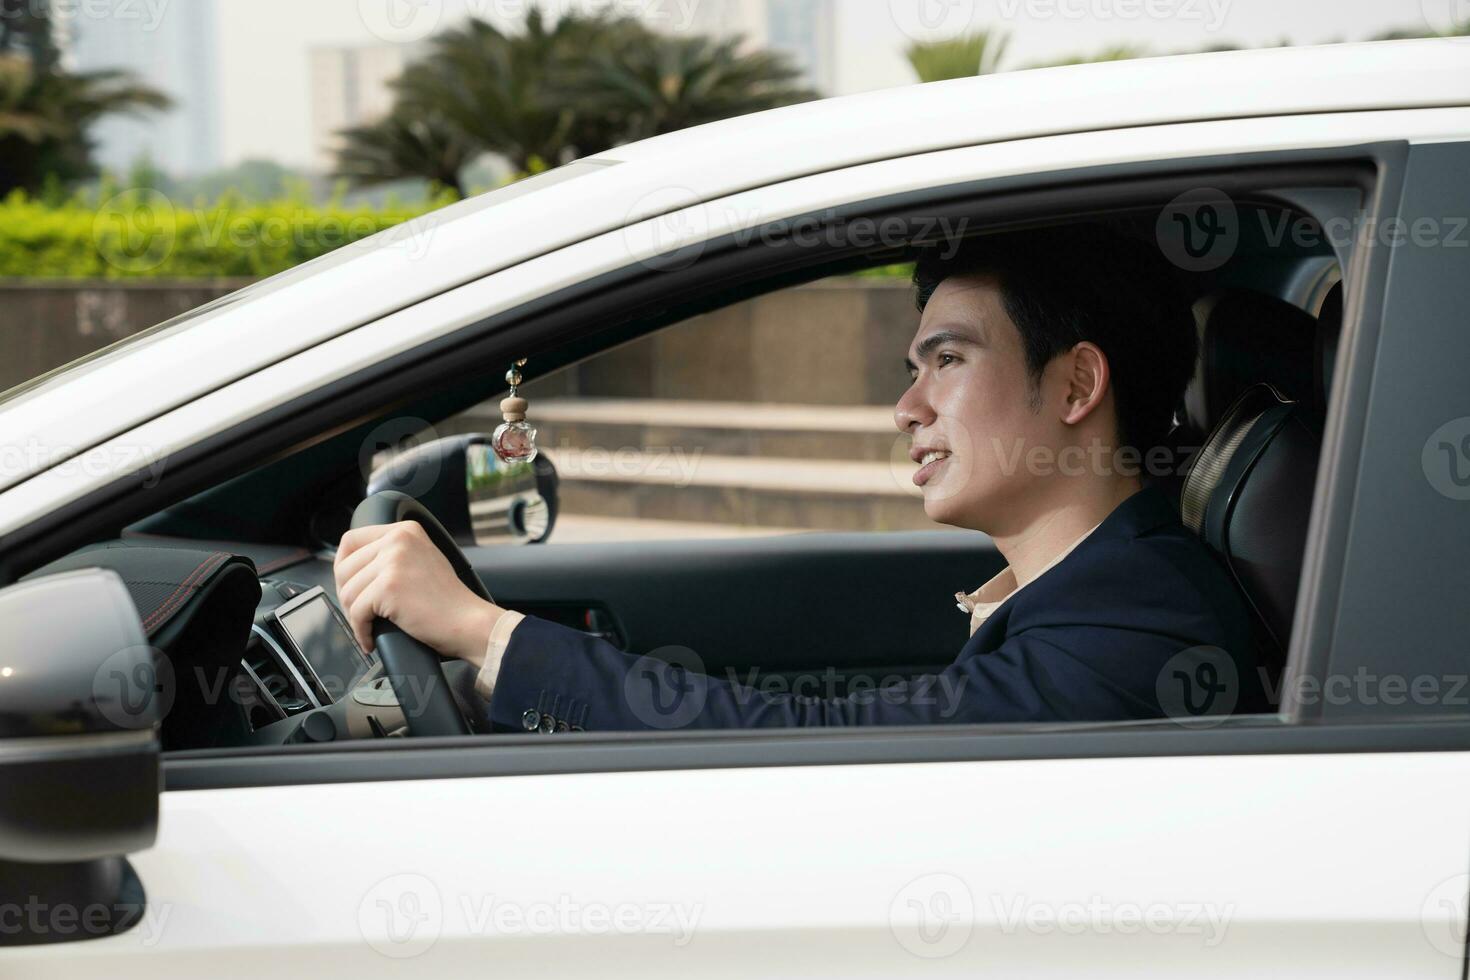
<point x="989" y="597"/>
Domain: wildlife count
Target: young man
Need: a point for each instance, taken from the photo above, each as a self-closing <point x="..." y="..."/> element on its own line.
<point x="1046" y="365"/>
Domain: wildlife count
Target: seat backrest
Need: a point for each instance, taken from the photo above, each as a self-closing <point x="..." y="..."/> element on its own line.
<point x="1249" y="495"/>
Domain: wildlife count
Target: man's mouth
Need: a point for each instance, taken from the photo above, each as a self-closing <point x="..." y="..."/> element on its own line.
<point x="929" y="460"/>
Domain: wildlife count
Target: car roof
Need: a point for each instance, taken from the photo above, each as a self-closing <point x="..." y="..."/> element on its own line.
<point x="78" y="407"/>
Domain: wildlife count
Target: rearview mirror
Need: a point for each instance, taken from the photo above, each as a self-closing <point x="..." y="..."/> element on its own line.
<point x="79" y="751"/>
<point x="478" y="497"/>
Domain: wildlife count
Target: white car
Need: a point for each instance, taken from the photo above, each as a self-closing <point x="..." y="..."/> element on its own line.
<point x="1331" y="838"/>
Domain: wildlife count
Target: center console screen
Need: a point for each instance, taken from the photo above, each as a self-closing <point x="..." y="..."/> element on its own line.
<point x="322" y="639"/>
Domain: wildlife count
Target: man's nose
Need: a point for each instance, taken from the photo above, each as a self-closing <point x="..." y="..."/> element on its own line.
<point x="913" y="410"/>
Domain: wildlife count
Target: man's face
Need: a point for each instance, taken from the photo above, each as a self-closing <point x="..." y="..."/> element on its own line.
<point x="971" y="409"/>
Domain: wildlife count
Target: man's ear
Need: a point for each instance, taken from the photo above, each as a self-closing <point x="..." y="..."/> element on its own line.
<point x="1087" y="378"/>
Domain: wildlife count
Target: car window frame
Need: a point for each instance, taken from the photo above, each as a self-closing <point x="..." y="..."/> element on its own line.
<point x="644" y="297"/>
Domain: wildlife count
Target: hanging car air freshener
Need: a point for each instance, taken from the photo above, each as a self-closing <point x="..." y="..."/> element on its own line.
<point x="514" y="440"/>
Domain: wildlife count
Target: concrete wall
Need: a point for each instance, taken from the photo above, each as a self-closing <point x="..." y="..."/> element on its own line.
<point x="836" y="342"/>
<point x="45" y="324"/>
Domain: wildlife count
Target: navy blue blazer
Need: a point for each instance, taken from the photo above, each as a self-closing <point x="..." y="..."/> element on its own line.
<point x="1139" y="621"/>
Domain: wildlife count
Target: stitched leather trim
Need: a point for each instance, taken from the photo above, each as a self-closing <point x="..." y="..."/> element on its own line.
<point x="185" y="589"/>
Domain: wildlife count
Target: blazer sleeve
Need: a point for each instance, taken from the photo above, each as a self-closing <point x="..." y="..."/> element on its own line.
<point x="556" y="678"/>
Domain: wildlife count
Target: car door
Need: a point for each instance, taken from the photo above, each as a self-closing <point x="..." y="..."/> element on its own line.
<point x="1329" y="841"/>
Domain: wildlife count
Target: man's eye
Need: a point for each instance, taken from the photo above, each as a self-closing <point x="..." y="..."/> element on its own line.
<point x="944" y="359"/>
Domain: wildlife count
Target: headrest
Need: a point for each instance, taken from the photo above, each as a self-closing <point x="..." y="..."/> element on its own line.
<point x="1246" y="338"/>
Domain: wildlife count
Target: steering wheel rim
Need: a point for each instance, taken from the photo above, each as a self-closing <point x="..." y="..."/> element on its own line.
<point x="415" y="671"/>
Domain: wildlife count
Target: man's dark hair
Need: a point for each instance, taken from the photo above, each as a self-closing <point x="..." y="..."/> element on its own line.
<point x="1064" y="285"/>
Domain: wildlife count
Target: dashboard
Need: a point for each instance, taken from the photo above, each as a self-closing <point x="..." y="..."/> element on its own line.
<point x="306" y="679"/>
<point x="301" y="657"/>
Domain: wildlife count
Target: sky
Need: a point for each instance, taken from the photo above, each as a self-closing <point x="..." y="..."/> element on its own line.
<point x="263" y="45"/>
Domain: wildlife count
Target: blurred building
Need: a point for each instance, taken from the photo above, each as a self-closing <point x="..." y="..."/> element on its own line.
<point x="170" y="47"/>
<point x="351" y="86"/>
<point x="806" y="30"/>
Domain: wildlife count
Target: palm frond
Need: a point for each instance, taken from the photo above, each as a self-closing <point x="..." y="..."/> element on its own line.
<point x="976" y="53"/>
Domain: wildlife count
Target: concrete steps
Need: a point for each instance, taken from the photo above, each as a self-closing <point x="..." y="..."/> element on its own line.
<point x="719" y="428"/>
<point x="658" y="467"/>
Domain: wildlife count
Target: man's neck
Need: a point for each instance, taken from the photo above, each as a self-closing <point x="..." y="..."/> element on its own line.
<point x="1030" y="549"/>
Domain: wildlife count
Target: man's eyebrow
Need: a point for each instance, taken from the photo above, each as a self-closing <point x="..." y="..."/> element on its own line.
<point x="937" y="340"/>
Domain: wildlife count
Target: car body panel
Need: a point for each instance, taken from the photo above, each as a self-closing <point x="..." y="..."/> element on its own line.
<point x="1110" y="868"/>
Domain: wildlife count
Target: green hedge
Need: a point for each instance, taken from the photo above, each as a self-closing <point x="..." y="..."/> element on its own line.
<point x="142" y="233"/>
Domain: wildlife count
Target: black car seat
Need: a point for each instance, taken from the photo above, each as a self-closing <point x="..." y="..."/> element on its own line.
<point x="1260" y="394"/>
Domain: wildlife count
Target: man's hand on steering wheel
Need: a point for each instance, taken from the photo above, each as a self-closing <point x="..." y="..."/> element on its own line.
<point x="394" y="572"/>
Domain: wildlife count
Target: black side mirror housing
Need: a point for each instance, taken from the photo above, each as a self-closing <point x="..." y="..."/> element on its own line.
<point x="479" y="498"/>
<point x="79" y="749"/>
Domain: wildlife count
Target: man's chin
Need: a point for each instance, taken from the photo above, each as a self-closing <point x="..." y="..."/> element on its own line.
<point x="943" y="510"/>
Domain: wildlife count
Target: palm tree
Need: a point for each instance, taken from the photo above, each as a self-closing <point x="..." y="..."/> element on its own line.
<point x="500" y="90"/>
<point x="17" y="117"/>
<point x="25" y="28"/>
<point x="1113" y="52"/>
<point x="405" y="145"/>
<point x="557" y="90"/>
<point x="45" y="111"/>
<point x="47" y="116"/>
<point x="976" y="53"/>
<point x="669" y="83"/>
<point x="1409" y="33"/>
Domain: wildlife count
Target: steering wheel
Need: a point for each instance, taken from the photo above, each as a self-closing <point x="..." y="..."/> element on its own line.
<point x="416" y="672"/>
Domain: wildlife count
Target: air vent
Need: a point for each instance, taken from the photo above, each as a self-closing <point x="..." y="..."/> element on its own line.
<point x="280" y="692"/>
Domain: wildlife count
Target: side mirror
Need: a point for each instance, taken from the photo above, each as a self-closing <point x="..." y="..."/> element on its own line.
<point x="479" y="498"/>
<point x="79" y="754"/>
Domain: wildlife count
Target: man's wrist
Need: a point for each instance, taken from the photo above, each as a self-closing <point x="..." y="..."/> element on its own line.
<point x="475" y="632"/>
